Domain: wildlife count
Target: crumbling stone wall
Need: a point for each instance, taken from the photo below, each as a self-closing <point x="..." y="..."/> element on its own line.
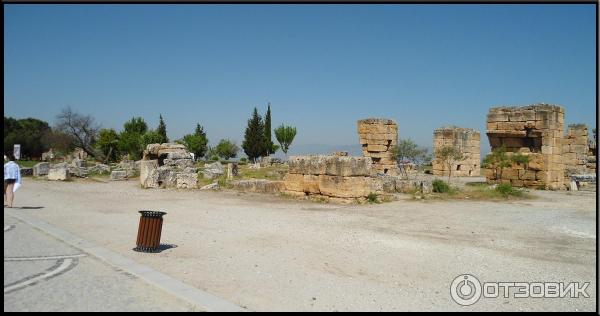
<point x="167" y="165"/>
<point x="592" y="155"/>
<point x="466" y="140"/>
<point x="377" y="137"/>
<point x="336" y="178"/>
<point x="535" y="131"/>
<point x="575" y="150"/>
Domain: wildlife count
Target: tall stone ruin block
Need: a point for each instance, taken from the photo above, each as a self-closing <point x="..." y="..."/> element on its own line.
<point x="377" y="137"/>
<point x="535" y="131"/>
<point x="575" y="149"/>
<point x="464" y="139"/>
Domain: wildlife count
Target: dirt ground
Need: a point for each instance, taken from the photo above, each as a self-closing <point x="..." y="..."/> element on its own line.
<point x="270" y="253"/>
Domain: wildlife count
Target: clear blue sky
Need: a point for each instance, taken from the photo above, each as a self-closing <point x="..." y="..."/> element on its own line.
<point x="322" y="67"/>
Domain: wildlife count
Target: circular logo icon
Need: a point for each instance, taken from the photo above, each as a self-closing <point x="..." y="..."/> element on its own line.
<point x="465" y="290"/>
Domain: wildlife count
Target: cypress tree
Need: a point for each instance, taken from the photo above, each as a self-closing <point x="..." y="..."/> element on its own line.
<point x="200" y="130"/>
<point x="254" y="137"/>
<point x="162" y="130"/>
<point x="268" y="142"/>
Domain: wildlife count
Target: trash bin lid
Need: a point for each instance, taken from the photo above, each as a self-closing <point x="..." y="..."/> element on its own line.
<point x="146" y="213"/>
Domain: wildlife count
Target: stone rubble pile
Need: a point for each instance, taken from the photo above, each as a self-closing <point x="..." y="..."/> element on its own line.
<point x="168" y="165"/>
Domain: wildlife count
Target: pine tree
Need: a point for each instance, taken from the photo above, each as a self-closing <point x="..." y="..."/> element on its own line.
<point x="254" y="137"/>
<point x="162" y="130"/>
<point x="269" y="145"/>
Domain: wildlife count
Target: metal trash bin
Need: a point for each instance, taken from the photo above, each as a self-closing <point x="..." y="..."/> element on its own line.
<point x="149" y="231"/>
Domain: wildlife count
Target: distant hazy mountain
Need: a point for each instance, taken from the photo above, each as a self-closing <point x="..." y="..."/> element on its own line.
<point x="353" y="150"/>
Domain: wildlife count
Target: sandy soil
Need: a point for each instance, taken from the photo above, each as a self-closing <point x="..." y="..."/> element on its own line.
<point x="270" y="253"/>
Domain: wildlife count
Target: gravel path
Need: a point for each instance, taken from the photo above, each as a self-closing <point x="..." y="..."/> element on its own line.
<point x="269" y="253"/>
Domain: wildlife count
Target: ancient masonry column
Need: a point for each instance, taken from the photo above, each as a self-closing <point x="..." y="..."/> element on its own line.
<point x="377" y="137"/>
<point x="464" y="139"/>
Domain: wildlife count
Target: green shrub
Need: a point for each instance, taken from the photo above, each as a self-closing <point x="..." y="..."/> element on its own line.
<point x="243" y="159"/>
<point x="440" y="186"/>
<point x="372" y="198"/>
<point x="507" y="190"/>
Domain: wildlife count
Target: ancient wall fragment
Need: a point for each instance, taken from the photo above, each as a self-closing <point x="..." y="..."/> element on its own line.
<point x="466" y="140"/>
<point x="535" y="131"/>
<point x="377" y="137"/>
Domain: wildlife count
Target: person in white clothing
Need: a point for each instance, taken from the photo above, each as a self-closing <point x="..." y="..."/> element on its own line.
<point x="12" y="177"/>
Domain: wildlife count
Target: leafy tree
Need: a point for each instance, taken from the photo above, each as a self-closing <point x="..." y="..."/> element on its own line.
<point x="61" y="143"/>
<point x="408" y="151"/>
<point x="29" y="133"/>
<point x="162" y="131"/>
<point x="108" y="141"/>
<point x="254" y="137"/>
<point x="449" y="155"/>
<point x="270" y="147"/>
<point x="135" y="125"/>
<point x="152" y="137"/>
<point x="82" y="128"/>
<point x="285" y="136"/>
<point x="196" y="144"/>
<point x="130" y="139"/>
<point x="227" y="149"/>
<point x="499" y="159"/>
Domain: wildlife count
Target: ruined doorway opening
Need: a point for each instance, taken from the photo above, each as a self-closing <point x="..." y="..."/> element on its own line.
<point x="161" y="159"/>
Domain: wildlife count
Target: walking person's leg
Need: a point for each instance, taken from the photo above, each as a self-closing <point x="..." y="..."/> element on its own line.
<point x="10" y="194"/>
<point x="5" y="186"/>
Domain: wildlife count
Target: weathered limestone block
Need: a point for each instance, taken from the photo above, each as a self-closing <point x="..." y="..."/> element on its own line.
<point x="117" y="175"/>
<point x="258" y="185"/>
<point x="178" y="155"/>
<point x="510" y="174"/>
<point x="167" y="177"/>
<point x="149" y="173"/>
<point x="179" y="163"/>
<point x="294" y="182"/>
<point x="526" y="174"/>
<point x="213" y="170"/>
<point x="349" y="187"/>
<point x="212" y="186"/>
<point x="348" y="166"/>
<point x="77" y="171"/>
<point x="187" y="180"/>
<point x="153" y="151"/>
<point x="310" y="184"/>
<point x="41" y="169"/>
<point x="60" y="174"/>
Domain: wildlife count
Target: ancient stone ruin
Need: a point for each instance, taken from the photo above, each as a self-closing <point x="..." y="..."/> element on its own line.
<point x="466" y="140"/>
<point x="575" y="150"/>
<point x="377" y="137"/>
<point x="535" y="131"/>
<point x="167" y="165"/>
<point x="335" y="178"/>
